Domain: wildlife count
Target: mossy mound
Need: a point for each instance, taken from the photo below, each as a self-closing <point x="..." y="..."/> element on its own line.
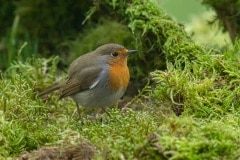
<point x="190" y="110"/>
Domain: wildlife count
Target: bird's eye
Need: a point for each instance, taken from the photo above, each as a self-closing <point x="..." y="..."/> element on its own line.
<point x="114" y="54"/>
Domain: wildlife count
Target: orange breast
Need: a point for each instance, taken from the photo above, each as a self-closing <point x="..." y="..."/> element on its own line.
<point x="119" y="76"/>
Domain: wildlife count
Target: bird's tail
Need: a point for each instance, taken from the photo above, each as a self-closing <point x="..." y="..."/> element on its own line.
<point x="52" y="89"/>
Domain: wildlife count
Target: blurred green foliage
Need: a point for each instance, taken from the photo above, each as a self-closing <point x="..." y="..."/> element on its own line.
<point x="6" y="16"/>
<point x="51" y="27"/>
<point x="180" y="11"/>
<point x="55" y="27"/>
<point x="227" y="15"/>
<point x="43" y="24"/>
<point x="51" y="21"/>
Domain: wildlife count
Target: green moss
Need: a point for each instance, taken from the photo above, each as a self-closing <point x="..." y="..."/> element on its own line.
<point x="200" y="86"/>
<point x="191" y="138"/>
<point x="206" y="86"/>
<point x="128" y="132"/>
<point x="28" y="122"/>
<point x="23" y="113"/>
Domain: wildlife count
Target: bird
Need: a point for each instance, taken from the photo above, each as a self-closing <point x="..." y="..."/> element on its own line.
<point x="97" y="79"/>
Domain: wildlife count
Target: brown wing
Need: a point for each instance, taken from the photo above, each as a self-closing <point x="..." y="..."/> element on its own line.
<point x="80" y="81"/>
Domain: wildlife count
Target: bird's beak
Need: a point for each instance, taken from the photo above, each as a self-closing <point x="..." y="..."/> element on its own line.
<point x="131" y="52"/>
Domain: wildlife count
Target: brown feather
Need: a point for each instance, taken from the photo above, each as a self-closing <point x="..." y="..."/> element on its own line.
<point x="52" y="89"/>
<point x="80" y="82"/>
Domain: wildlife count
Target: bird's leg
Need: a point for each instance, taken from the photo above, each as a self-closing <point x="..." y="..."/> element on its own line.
<point x="78" y="110"/>
<point x="106" y="112"/>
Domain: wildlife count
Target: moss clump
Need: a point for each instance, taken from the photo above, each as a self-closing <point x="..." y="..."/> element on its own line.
<point x="201" y="86"/>
<point x="206" y="86"/>
<point x="193" y="138"/>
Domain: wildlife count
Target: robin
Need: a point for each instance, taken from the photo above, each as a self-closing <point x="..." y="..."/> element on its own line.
<point x="96" y="79"/>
